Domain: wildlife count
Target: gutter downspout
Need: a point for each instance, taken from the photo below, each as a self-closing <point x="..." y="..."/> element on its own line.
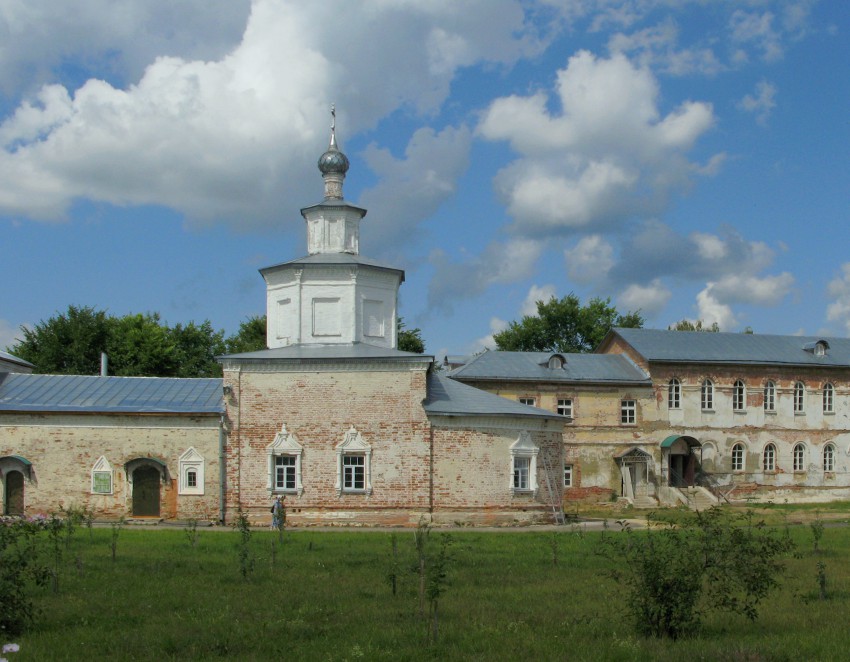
<point x="222" y="471"/>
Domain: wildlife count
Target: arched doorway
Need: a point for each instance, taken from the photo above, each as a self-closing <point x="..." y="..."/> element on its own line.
<point x="13" y="497"/>
<point x="679" y="458"/>
<point x="146" y="491"/>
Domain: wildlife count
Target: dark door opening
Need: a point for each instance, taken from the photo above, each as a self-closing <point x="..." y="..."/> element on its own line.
<point x="146" y="485"/>
<point x="14" y="497"/>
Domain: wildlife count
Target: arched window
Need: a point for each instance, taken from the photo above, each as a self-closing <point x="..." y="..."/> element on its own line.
<point x="769" y="458"/>
<point x="674" y="394"/>
<point x="738" y="457"/>
<point x="799" y="457"/>
<point x="707" y="394"/>
<point x="829" y="458"/>
<point x="769" y="396"/>
<point x="828" y="398"/>
<point x="739" y="396"/>
<point x="799" y="397"/>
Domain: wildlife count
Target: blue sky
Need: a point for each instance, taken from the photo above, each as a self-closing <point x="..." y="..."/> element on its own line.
<point x="685" y="158"/>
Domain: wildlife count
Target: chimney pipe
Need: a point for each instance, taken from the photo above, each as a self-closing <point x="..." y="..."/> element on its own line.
<point x="104" y="362"/>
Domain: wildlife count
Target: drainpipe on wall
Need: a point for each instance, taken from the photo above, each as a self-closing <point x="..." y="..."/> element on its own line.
<point x="222" y="471"/>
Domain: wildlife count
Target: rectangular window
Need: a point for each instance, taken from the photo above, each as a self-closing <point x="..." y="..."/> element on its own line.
<point x="284" y="472"/>
<point x="353" y="472"/>
<point x="527" y="401"/>
<point x="628" y="412"/>
<point x="101" y="482"/>
<point x="568" y="475"/>
<point x="191" y="478"/>
<point x="565" y="407"/>
<point x="522" y="469"/>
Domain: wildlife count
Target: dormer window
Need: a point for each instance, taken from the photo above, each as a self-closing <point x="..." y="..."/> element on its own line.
<point x="818" y="348"/>
<point x="556" y="362"/>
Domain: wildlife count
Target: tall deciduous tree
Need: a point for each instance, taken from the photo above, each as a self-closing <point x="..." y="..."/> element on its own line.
<point x="565" y="325"/>
<point x="250" y="337"/>
<point x="410" y="340"/>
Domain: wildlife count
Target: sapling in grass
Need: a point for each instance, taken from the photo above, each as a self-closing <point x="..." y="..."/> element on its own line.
<point x="420" y="540"/>
<point x="554" y="544"/>
<point x="246" y="560"/>
<point x="392" y="576"/>
<point x="822" y="580"/>
<point x="817" y="532"/>
<point x="437" y="580"/>
<point x="192" y="532"/>
<point x="116" y="531"/>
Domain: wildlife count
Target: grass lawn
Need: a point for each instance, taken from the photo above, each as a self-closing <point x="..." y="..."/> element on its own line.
<point x="326" y="596"/>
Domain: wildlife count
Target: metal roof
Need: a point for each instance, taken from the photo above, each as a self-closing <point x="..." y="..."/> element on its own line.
<point x="449" y="397"/>
<point x="321" y="259"/>
<point x="740" y="348"/>
<point x="11" y="358"/>
<point x="333" y="352"/>
<point x="533" y="366"/>
<point x="78" y="393"/>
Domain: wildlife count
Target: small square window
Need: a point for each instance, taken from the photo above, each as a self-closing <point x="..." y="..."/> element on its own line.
<point x="565" y="407"/>
<point x="628" y="409"/>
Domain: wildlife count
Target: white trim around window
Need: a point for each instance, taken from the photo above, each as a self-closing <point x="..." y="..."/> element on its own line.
<point x="353" y="464"/>
<point x="524" y="465"/>
<point x="101" y="477"/>
<point x="284" y="464"/>
<point x="191" y="473"/>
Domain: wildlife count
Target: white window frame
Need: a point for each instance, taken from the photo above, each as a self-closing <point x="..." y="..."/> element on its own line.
<point x="739" y="396"/>
<point x="799" y="398"/>
<point x="102" y="468"/>
<point x="531" y="402"/>
<point x="284" y="443"/>
<point x="739" y="453"/>
<point x="565" y="407"/>
<point x="674" y="394"/>
<point x="768" y="460"/>
<point x="191" y="460"/>
<point x="524" y="448"/>
<point x="828" y="398"/>
<point x="829" y="458"/>
<point x="353" y="445"/>
<point x="799" y="457"/>
<point x="628" y="412"/>
<point x="770" y="396"/>
<point x="707" y="395"/>
<point x="568" y="475"/>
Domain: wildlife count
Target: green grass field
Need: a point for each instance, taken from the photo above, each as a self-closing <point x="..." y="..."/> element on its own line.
<point x="326" y="596"/>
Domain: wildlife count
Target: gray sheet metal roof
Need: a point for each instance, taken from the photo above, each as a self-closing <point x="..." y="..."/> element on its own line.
<point x="77" y="393"/>
<point x="5" y="356"/>
<point x="740" y="348"/>
<point x="332" y="352"/>
<point x="320" y="259"/>
<point x="533" y="366"/>
<point x="449" y="397"/>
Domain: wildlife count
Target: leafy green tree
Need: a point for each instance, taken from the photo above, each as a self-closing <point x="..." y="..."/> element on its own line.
<point x="69" y="343"/>
<point x="410" y="340"/>
<point x="197" y="345"/>
<point x="687" y="325"/>
<point x="565" y="325"/>
<point x="140" y="345"/>
<point x="250" y="337"/>
<point x="711" y="561"/>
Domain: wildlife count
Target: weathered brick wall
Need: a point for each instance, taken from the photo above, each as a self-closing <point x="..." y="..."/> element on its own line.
<point x="63" y="449"/>
<point x="318" y="408"/>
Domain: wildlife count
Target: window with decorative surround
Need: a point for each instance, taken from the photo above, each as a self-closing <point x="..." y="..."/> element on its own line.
<point x="568" y="475"/>
<point x="628" y="412"/>
<point x="829" y="458"/>
<point x="799" y="454"/>
<point x="191" y="468"/>
<point x="284" y="464"/>
<point x="101" y="477"/>
<point x="799" y="398"/>
<point x="674" y="394"/>
<point x="769" y="458"/>
<point x="769" y="396"/>
<point x="828" y="398"/>
<point x="524" y="464"/>
<point x="707" y="395"/>
<point x="738" y="457"/>
<point x="739" y="396"/>
<point x="354" y="464"/>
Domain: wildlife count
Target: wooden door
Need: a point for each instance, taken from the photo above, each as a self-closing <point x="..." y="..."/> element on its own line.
<point x="146" y="485"/>
<point x="14" y="497"/>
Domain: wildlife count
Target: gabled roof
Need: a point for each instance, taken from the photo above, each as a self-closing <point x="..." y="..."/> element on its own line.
<point x="533" y="366"/>
<point x="737" y="348"/>
<point x="78" y="393"/>
<point x="321" y="259"/>
<point x="449" y="397"/>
